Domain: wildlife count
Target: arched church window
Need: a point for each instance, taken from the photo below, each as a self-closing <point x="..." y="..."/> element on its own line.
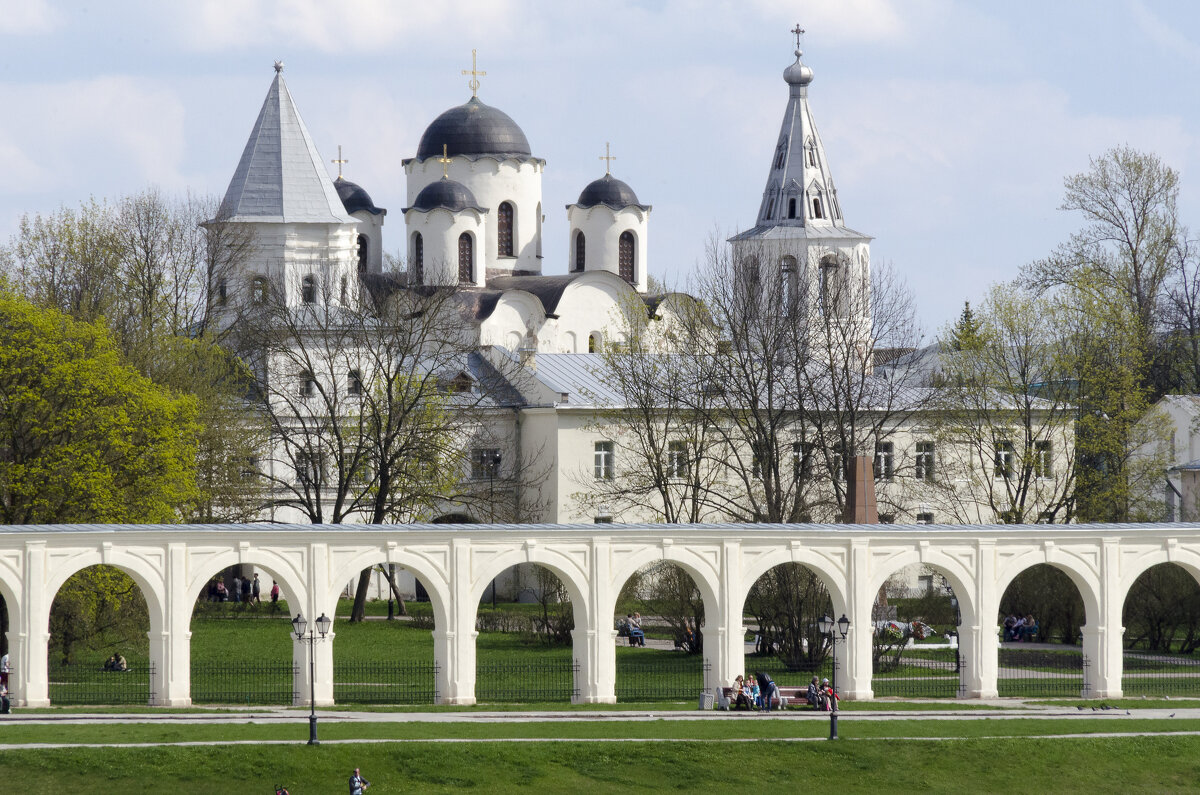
<point x="791" y="208"/>
<point x="580" y="251"/>
<point x="364" y="244"/>
<point x="344" y="291"/>
<point x="812" y="156"/>
<point x="787" y="294"/>
<point x="222" y="293"/>
<point x="258" y="290"/>
<point x="308" y="290"/>
<point x="504" y="230"/>
<point x="625" y="262"/>
<point x="833" y="288"/>
<point x="418" y="258"/>
<point x="817" y="208"/>
<point x="466" y="258"/>
<point x="780" y="154"/>
<point x="595" y="342"/>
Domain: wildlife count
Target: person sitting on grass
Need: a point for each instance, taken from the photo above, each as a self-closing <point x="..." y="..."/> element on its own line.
<point x="358" y="783"/>
<point x="120" y="664"/>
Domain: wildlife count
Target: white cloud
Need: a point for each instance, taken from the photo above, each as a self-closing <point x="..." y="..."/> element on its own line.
<point x="28" y="17"/>
<point x="114" y="130"/>
<point x="363" y="26"/>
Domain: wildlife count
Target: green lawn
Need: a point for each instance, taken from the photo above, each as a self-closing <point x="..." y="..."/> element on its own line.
<point x="1096" y="764"/>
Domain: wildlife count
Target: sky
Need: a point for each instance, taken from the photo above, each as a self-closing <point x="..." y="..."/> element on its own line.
<point x="949" y="125"/>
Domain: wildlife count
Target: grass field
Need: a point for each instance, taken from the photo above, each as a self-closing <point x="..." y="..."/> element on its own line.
<point x="619" y="756"/>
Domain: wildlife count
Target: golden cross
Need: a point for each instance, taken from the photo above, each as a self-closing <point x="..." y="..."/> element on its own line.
<point x="475" y="75"/>
<point x="608" y="158"/>
<point x="339" y="161"/>
<point x="798" y="31"/>
<point x="445" y="161"/>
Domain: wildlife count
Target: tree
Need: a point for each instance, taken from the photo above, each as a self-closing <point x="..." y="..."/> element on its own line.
<point x="1004" y="424"/>
<point x="787" y="603"/>
<point x="83" y="437"/>
<point x="99" y="608"/>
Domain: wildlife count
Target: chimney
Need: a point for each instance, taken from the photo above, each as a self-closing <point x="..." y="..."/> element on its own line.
<point x="860" y="492"/>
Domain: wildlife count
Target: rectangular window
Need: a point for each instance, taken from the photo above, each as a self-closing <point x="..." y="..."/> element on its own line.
<point x="839" y="462"/>
<point x="677" y="460"/>
<point x="924" y="518"/>
<point x="885" y="460"/>
<point x="761" y="461"/>
<point x="308" y="385"/>
<point x="485" y="462"/>
<point x="604" y="461"/>
<point x="1002" y="466"/>
<point x="802" y="460"/>
<point x="924" y="463"/>
<point x="250" y="469"/>
<point x="354" y="385"/>
<point x="887" y="518"/>
<point x="1043" y="459"/>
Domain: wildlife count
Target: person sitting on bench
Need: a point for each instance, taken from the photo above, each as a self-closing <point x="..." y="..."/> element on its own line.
<point x="636" y="636"/>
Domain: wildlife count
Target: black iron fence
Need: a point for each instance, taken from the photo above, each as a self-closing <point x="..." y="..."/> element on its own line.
<point x="1034" y="673"/>
<point x="84" y="683"/>
<point x="526" y="682"/>
<point x="243" y="683"/>
<point x="385" y="683"/>
<point x="1158" y="674"/>
<point x="669" y="676"/>
<point x="919" y="673"/>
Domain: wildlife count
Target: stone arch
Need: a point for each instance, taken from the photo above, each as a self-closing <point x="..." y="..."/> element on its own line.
<point x="832" y="578"/>
<point x="1188" y="560"/>
<point x="1085" y="580"/>
<point x="431" y="578"/>
<point x="573" y="578"/>
<point x="148" y="579"/>
<point x="292" y="582"/>
<point x="960" y="578"/>
<point x="701" y="572"/>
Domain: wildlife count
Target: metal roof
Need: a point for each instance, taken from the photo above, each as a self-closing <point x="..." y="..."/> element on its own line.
<point x="354" y="198"/>
<point x="611" y="192"/>
<point x="474" y="129"/>
<point x="281" y="176"/>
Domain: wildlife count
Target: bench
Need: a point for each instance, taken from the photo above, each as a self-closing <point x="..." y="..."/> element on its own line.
<point x="785" y="696"/>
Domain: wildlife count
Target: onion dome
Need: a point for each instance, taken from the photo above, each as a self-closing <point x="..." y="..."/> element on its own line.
<point x="474" y="130"/>
<point x="445" y="194"/>
<point x="798" y="74"/>
<point x="609" y="191"/>
<point x="354" y="198"/>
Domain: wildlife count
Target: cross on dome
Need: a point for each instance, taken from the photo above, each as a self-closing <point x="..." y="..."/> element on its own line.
<point x="608" y="158"/>
<point x="475" y="74"/>
<point x="445" y="160"/>
<point x="339" y="160"/>
<point x="798" y="31"/>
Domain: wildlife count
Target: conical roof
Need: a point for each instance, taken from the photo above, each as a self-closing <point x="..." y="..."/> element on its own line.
<point x="281" y="176"/>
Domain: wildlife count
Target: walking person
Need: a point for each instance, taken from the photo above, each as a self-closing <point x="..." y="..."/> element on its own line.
<point x="237" y="588"/>
<point x="358" y="783"/>
<point x="246" y="590"/>
<point x="256" y="590"/>
<point x="4" y="670"/>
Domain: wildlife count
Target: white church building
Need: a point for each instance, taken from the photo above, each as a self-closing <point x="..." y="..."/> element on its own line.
<point x="474" y="220"/>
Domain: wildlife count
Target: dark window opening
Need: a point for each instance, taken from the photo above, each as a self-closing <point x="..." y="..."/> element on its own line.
<point x="625" y="260"/>
<point x="418" y="256"/>
<point x="364" y="246"/>
<point x="504" y="230"/>
<point x="466" y="258"/>
<point x="309" y="290"/>
<point x="817" y="209"/>
<point x="791" y="208"/>
<point x="580" y="250"/>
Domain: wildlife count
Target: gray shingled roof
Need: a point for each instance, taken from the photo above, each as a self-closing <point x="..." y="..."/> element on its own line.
<point x="281" y="176"/>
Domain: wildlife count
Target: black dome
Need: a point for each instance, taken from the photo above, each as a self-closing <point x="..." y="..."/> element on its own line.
<point x="474" y="129"/>
<point x="353" y="197"/>
<point x="608" y="191"/>
<point x="445" y="194"/>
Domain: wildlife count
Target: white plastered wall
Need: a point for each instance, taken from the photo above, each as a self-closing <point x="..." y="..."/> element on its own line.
<point x="440" y="230"/>
<point x="602" y="227"/>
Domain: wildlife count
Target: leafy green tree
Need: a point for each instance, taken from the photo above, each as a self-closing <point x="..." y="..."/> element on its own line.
<point x="83" y="437"/>
<point x="99" y="610"/>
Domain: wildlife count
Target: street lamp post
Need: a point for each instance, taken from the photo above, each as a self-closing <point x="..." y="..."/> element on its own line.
<point x="491" y="463"/>
<point x="299" y="625"/>
<point x="827" y="626"/>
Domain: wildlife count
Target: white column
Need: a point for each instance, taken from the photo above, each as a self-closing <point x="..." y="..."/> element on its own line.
<point x="458" y="639"/>
<point x="595" y="647"/>
<point x="727" y="657"/>
<point x="34" y="641"/>
<point x="1102" y="637"/>
<point x="978" y="643"/>
<point x="171" y="650"/>
<point x="854" y="682"/>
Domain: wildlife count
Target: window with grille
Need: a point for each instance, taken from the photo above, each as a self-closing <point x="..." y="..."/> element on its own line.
<point x="604" y="461"/>
<point x="309" y="290"/>
<point x="885" y="460"/>
<point x="677" y="460"/>
<point x="580" y="250"/>
<point x="802" y="459"/>
<point x="1043" y="459"/>
<point x="504" y="230"/>
<point x="418" y="255"/>
<point x="466" y="258"/>
<point x="924" y="518"/>
<point x="364" y="250"/>
<point x="354" y="383"/>
<point x="258" y="290"/>
<point x="308" y="385"/>
<point x="485" y="462"/>
<point x="924" y="462"/>
<point x="625" y="260"/>
<point x="1002" y="466"/>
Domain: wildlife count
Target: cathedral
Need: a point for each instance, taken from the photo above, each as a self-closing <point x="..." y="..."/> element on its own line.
<point x="474" y="220"/>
